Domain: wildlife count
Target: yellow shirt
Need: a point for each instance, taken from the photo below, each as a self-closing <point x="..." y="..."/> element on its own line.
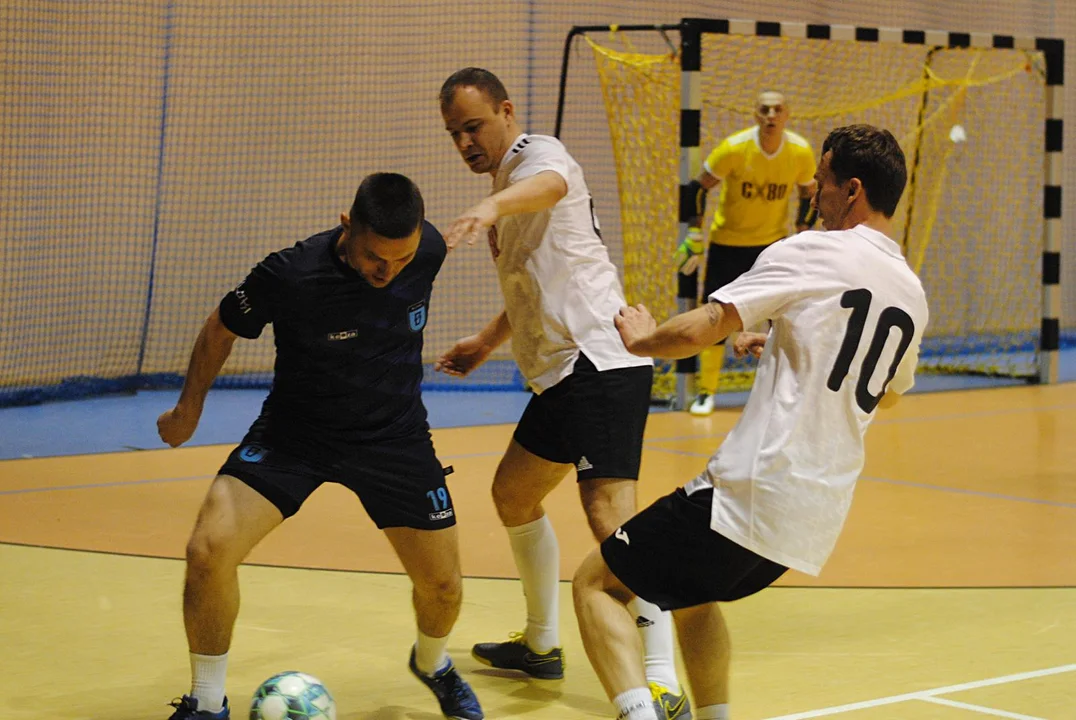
<point x="756" y="188"/>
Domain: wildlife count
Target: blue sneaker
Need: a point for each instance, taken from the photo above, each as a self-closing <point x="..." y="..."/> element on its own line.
<point x="456" y="697"/>
<point x="187" y="709"/>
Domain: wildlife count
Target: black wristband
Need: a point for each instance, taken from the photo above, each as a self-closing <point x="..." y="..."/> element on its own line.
<point x="698" y="194"/>
<point x="806" y="214"/>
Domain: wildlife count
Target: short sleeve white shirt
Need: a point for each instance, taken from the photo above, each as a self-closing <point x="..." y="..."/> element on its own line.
<point x="560" y="289"/>
<point x="848" y="316"/>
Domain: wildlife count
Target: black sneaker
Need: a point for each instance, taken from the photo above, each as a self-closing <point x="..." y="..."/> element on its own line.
<point x="455" y="696"/>
<point x="187" y="709"/>
<point x="516" y="655"/>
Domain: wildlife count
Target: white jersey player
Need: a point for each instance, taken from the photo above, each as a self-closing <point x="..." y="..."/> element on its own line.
<point x="592" y="395"/>
<point x="560" y="288"/>
<point x="847" y="316"/>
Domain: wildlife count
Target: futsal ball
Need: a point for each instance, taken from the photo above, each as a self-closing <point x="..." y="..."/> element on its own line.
<point x="292" y="696"/>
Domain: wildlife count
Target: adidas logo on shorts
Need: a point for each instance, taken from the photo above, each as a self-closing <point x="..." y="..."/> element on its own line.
<point x="583" y="464"/>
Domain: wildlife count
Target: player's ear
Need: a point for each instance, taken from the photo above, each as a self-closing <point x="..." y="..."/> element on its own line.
<point x="345" y="220"/>
<point x="508" y="109"/>
<point x="854" y="188"/>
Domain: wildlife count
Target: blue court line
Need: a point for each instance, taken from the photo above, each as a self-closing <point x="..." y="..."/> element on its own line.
<point x="923" y="486"/>
<point x="977" y="413"/>
<point x="894" y="421"/>
<point x="688" y="453"/>
<point x="94" y="486"/>
<point x="965" y="491"/>
<point x="498" y="578"/>
<point x="127" y="483"/>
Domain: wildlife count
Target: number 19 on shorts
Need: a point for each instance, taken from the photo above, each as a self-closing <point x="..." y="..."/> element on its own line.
<point x="439" y="498"/>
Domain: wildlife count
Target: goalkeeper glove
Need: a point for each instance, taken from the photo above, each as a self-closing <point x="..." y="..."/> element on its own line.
<point x="689" y="254"/>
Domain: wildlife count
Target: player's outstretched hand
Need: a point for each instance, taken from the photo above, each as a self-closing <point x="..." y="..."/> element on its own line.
<point x="176" y="427"/>
<point x="749" y="342"/>
<point x="471" y="223"/>
<point x="465" y="356"/>
<point x="634" y="324"/>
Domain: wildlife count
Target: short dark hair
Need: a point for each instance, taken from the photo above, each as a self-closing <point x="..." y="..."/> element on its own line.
<point x="484" y="80"/>
<point x="874" y="156"/>
<point x="388" y="204"/>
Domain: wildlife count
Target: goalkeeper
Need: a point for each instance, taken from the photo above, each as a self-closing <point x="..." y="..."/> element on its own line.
<point x="760" y="170"/>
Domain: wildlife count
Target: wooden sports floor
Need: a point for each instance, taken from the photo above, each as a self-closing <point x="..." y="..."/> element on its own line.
<point x="951" y="594"/>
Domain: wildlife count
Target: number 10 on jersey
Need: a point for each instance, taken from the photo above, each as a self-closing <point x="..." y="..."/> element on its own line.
<point x="892" y="317"/>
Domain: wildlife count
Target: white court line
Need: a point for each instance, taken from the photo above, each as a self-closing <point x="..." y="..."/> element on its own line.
<point x="924" y="694"/>
<point x="259" y="629"/>
<point x="979" y="709"/>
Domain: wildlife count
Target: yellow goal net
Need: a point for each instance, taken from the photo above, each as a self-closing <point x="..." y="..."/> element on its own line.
<point x="970" y="121"/>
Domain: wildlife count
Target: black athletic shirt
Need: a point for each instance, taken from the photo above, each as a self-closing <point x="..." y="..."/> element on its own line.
<point x="348" y="355"/>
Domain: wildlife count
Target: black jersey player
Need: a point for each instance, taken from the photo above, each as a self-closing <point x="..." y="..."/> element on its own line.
<point x="348" y="307"/>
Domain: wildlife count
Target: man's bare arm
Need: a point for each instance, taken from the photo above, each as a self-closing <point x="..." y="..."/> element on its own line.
<point x="678" y="337"/>
<point x="211" y="350"/>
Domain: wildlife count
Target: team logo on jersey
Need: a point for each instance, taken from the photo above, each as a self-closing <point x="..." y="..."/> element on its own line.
<point x="763" y="191"/>
<point x="492" y="235"/>
<point x="252" y="453"/>
<point x="416" y="316"/>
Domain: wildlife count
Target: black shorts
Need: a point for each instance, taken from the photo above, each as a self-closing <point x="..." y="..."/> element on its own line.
<point x="593" y="420"/>
<point x="725" y="263"/>
<point x="668" y="555"/>
<point x="400" y="482"/>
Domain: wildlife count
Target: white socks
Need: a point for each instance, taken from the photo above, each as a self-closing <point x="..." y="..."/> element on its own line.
<point x="655" y="627"/>
<point x="207" y="680"/>
<point x="537" y="555"/>
<point x="712" y="712"/>
<point x="635" y="704"/>
<point x="430" y="655"/>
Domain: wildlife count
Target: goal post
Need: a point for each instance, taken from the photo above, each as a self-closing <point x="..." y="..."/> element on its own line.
<point x="979" y="117"/>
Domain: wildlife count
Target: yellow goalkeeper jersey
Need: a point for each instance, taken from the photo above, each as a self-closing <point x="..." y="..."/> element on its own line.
<point x="756" y="188"/>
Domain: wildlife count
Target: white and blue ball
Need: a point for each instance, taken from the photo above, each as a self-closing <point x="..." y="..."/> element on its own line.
<point x="292" y="696"/>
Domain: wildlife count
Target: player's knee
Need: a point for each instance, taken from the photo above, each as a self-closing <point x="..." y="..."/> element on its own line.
<point x="604" y="516"/>
<point x="443" y="589"/>
<point x="583" y="587"/>
<point x="608" y="504"/>
<point x="208" y="552"/>
<point x="510" y="503"/>
<point x="588" y="578"/>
